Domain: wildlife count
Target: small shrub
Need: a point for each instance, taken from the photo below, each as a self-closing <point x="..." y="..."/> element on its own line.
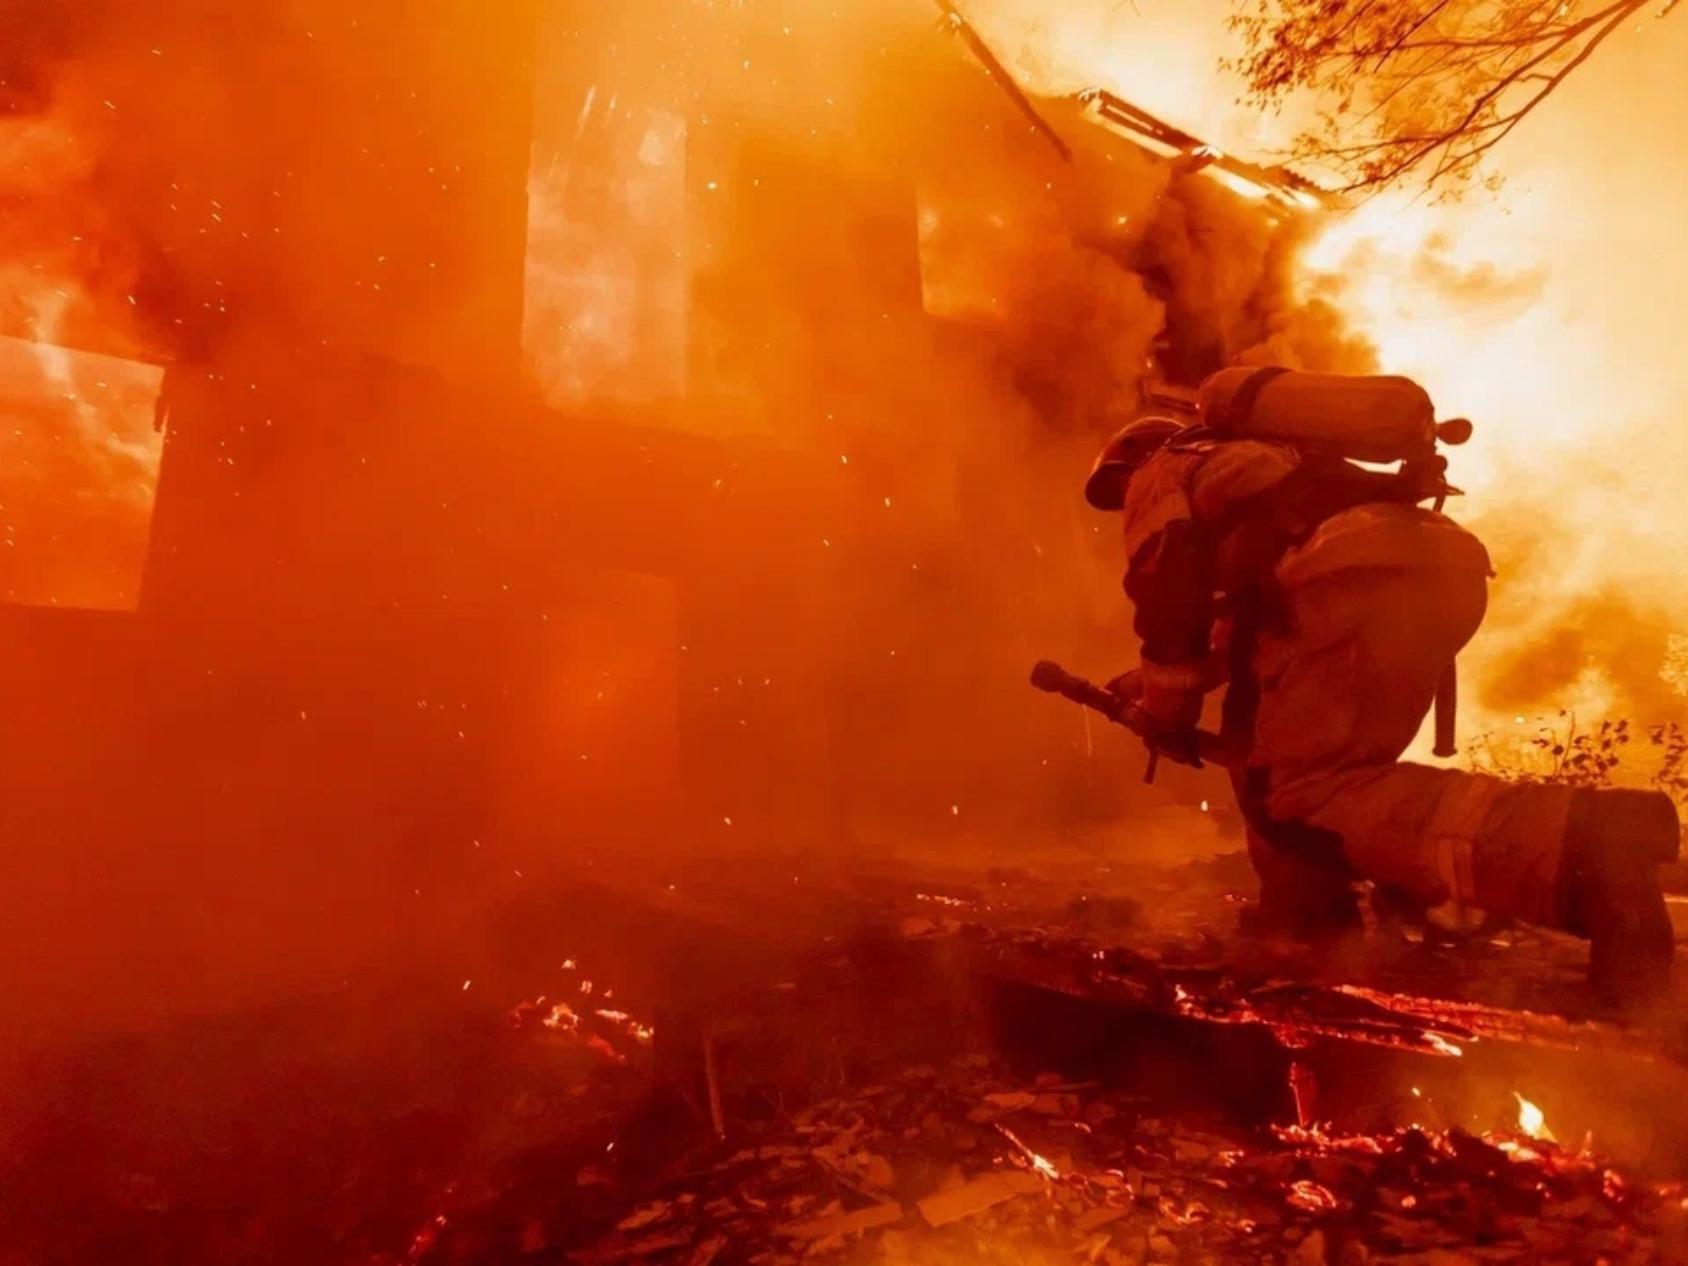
<point x="1561" y="752"/>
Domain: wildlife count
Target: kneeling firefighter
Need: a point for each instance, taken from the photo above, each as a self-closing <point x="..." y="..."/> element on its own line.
<point x="1333" y="603"/>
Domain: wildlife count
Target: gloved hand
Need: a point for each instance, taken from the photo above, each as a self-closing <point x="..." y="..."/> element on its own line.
<point x="1425" y="479"/>
<point x="1170" y="706"/>
<point x="1172" y="693"/>
<point x="1128" y="686"/>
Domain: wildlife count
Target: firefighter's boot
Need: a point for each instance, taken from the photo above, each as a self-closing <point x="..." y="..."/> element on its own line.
<point x="1301" y="897"/>
<point x="1615" y="841"/>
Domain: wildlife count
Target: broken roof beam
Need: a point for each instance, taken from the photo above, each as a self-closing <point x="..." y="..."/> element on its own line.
<point x="957" y="24"/>
<point x="1189" y="153"/>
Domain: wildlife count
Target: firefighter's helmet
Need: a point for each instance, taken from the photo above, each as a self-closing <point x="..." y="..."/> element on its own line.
<point x="1131" y="446"/>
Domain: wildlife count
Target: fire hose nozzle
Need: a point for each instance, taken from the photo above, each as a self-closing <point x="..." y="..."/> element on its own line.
<point x="1053" y="679"/>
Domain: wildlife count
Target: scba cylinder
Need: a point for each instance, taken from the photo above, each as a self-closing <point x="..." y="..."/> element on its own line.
<point x="1371" y="418"/>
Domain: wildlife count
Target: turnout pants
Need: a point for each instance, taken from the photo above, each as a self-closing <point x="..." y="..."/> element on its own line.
<point x="1377" y="604"/>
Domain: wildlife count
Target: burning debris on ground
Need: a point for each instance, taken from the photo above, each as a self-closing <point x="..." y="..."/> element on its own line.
<point x="966" y="1162"/>
<point x="878" y="1095"/>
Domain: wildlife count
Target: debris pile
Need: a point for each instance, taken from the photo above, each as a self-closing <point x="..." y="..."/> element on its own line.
<point x="967" y="1164"/>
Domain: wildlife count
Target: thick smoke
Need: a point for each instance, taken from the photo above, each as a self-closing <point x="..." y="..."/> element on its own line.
<point x="727" y="206"/>
<point x="968" y="385"/>
<point x="827" y="241"/>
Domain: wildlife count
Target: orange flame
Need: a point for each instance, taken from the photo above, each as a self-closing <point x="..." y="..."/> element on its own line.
<point x="1532" y="1121"/>
<point x="1039" y="1163"/>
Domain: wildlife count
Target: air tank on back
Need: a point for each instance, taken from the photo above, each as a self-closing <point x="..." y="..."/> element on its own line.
<point x="1371" y="418"/>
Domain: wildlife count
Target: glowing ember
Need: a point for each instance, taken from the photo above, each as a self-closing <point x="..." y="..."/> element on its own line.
<point x="424" y="1240"/>
<point x="600" y="1030"/>
<point x="638" y="1032"/>
<point x="562" y="1017"/>
<point x="1178" y="1213"/>
<point x="938" y="899"/>
<point x="1312" y="1197"/>
<point x="1317" y="1139"/>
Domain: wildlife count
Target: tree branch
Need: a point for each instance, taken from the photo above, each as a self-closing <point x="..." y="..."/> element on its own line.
<point x="1427" y="90"/>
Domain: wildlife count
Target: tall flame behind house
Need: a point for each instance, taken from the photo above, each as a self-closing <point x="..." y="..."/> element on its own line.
<point x="635" y="434"/>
